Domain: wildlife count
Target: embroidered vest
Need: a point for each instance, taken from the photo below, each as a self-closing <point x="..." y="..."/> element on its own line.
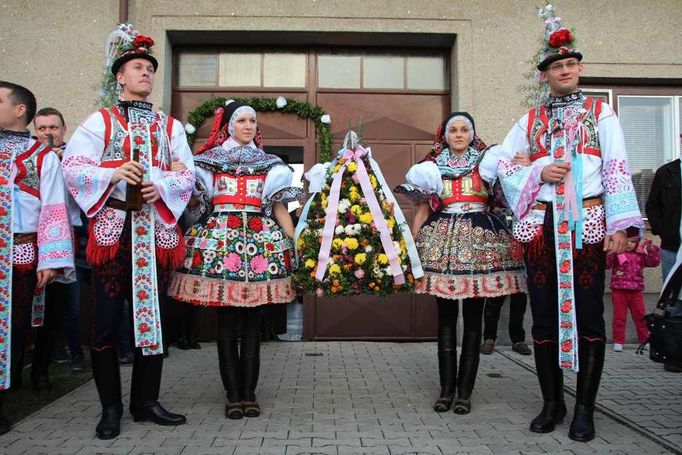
<point x="538" y="122"/>
<point x="106" y="227"/>
<point x="468" y="188"/>
<point x="238" y="192"/>
<point x="29" y="165"/>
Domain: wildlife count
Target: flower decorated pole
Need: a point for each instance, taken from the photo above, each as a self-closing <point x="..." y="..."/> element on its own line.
<point x="352" y="237"/>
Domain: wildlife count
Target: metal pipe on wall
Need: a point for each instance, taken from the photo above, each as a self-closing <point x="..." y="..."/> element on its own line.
<point x="122" y="11"/>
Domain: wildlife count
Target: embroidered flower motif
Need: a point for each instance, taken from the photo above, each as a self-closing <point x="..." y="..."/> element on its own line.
<point x="232" y="262"/>
<point x="567" y="346"/>
<point x="259" y="264"/>
<point x="566" y="307"/>
<point x="144" y="327"/>
<point x="141" y="230"/>
<point x="565" y="267"/>
<point x="142" y="295"/>
<point x="234" y="222"/>
<point x="256" y="224"/>
<point x="142" y="262"/>
<point x="563" y="227"/>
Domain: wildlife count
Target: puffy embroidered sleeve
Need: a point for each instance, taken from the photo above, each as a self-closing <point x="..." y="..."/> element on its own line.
<point x="620" y="201"/>
<point x="175" y="188"/>
<point x="424" y="184"/>
<point x="520" y="184"/>
<point x="87" y="181"/>
<point x="277" y="188"/>
<point x="202" y="197"/>
<point x="55" y="240"/>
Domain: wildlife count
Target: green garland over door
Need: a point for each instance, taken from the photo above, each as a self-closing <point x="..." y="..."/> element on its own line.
<point x="302" y="109"/>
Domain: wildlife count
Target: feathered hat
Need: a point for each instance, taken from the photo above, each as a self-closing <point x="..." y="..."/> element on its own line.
<point x="558" y="42"/>
<point x="122" y="45"/>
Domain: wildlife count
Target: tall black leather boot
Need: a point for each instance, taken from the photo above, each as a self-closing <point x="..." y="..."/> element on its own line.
<point x="551" y="380"/>
<point x="447" y="364"/>
<point x="41" y="359"/>
<point x="144" y="391"/>
<point x="108" y="381"/>
<point x="472" y="311"/>
<point x="591" y="357"/>
<point x="250" y="359"/>
<point x="230" y="374"/>
<point x="4" y="422"/>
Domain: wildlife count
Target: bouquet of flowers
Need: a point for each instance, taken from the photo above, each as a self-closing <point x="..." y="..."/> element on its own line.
<point x="353" y="238"/>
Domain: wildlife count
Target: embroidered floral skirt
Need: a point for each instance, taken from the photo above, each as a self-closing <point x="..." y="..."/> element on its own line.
<point x="469" y="255"/>
<point x="235" y="259"/>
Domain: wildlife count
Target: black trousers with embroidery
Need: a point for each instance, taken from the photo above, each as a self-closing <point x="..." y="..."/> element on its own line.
<point x="589" y="271"/>
<point x="112" y="288"/>
<point x="24" y="280"/>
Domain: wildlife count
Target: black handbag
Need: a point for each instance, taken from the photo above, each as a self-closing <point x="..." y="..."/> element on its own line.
<point x="665" y="330"/>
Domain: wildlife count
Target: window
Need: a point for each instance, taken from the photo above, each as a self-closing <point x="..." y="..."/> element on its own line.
<point x="242" y="69"/>
<point x="382" y="71"/>
<point x="197" y="70"/>
<point x="651" y="126"/>
<point x="651" y="118"/>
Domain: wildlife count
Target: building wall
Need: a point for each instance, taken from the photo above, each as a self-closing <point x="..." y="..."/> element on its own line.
<point x="59" y="55"/>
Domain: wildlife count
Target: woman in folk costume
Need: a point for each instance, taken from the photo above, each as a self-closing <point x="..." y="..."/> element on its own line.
<point x="465" y="250"/>
<point x="239" y="253"/>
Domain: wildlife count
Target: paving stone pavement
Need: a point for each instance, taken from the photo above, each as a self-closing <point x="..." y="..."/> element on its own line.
<point x="362" y="398"/>
<point x="636" y="391"/>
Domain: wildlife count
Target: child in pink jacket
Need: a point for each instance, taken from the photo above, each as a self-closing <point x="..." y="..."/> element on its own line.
<point x="627" y="284"/>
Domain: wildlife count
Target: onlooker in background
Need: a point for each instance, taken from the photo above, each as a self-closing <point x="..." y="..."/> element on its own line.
<point x="491" y="316"/>
<point x="627" y="284"/>
<point x="62" y="301"/>
<point x="663" y="211"/>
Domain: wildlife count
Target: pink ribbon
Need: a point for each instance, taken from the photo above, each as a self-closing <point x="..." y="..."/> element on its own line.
<point x="374" y="208"/>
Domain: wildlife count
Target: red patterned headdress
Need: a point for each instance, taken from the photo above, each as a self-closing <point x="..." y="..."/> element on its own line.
<point x="220" y="128"/>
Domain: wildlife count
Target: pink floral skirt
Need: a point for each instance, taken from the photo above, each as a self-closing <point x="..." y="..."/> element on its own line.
<point x="235" y="259"/>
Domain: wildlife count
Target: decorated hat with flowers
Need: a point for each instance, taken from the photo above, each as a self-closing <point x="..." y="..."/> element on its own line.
<point x="559" y="42"/>
<point x="129" y="44"/>
<point x="122" y="45"/>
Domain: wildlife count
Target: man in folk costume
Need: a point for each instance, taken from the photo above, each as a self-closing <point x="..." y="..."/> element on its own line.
<point x="117" y="156"/>
<point x="35" y="233"/>
<point x="573" y="206"/>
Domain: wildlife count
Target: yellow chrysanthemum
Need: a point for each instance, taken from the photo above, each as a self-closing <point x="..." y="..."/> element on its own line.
<point x="300" y="243"/>
<point x="334" y="269"/>
<point x="336" y="169"/>
<point x="382" y="259"/>
<point x="366" y="218"/>
<point x="310" y="263"/>
<point x="356" y="210"/>
<point x="323" y="204"/>
<point x="337" y="244"/>
<point x="360" y="258"/>
<point x="354" y="196"/>
<point x="390" y="222"/>
<point x="352" y="167"/>
<point x="351" y="243"/>
<point x="373" y="181"/>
